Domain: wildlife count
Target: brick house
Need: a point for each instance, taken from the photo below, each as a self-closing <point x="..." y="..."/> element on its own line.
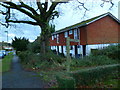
<point x="95" y="33"/>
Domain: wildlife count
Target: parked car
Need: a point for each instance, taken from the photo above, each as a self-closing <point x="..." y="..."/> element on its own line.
<point x="1" y="55"/>
<point x="3" y="51"/>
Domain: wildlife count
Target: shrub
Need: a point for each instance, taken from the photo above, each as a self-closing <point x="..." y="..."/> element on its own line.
<point x="51" y="57"/>
<point x="26" y="56"/>
<point x="111" y="51"/>
<point x="94" y="75"/>
<point x="34" y="46"/>
<point x="92" y="61"/>
<point x="47" y="61"/>
<point x="65" y="81"/>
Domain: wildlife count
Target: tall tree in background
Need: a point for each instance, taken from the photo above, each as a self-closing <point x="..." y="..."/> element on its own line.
<point x="40" y="16"/>
<point x="20" y="44"/>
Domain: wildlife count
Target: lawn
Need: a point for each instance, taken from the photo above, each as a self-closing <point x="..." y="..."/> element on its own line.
<point x="6" y="62"/>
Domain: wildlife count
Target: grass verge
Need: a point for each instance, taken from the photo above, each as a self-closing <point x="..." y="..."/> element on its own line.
<point x="6" y="62"/>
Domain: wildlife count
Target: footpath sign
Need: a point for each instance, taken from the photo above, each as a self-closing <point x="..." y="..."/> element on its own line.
<point x="68" y="40"/>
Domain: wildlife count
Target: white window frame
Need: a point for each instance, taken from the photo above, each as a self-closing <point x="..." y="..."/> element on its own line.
<point x="76" y="34"/>
<point x="66" y="34"/>
<point x="57" y="38"/>
<point x="70" y="32"/>
<point x="52" y="37"/>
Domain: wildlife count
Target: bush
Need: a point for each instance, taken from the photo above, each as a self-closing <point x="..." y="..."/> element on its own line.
<point x="65" y="81"/>
<point x="94" y="75"/>
<point x="51" y="57"/>
<point x="47" y="61"/>
<point x="34" y="46"/>
<point x="92" y="61"/>
<point x="26" y="56"/>
<point x="111" y="51"/>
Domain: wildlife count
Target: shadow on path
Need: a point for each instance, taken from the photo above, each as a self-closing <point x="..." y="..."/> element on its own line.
<point x="18" y="78"/>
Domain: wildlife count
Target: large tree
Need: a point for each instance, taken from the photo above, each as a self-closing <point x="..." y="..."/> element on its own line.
<point x="41" y="16"/>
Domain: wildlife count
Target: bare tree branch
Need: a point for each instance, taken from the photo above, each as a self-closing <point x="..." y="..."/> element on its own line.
<point x="111" y="4"/>
<point x="27" y="22"/>
<point x="17" y="7"/>
<point x="50" y="11"/>
<point x="46" y="5"/>
<point x="6" y="25"/>
<point x="39" y="6"/>
<point x="28" y="7"/>
<point x="107" y="1"/>
<point x="82" y="5"/>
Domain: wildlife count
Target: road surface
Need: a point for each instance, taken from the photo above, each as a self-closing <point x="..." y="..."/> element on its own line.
<point x="18" y="78"/>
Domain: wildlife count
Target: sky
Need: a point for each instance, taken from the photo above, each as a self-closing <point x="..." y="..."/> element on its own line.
<point x="69" y="15"/>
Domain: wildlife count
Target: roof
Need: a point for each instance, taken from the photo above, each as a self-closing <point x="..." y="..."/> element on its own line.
<point x="86" y="22"/>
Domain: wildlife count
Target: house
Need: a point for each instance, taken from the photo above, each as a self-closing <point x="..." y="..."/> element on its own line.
<point x="95" y="33"/>
<point x="6" y="46"/>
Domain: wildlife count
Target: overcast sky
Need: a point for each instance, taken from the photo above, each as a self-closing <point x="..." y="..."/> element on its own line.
<point x="69" y="15"/>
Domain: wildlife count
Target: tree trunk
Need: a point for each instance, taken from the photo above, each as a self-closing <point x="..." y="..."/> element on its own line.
<point x="44" y="45"/>
<point x="44" y="39"/>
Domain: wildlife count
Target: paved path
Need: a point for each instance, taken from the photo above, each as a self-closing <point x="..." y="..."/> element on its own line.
<point x="18" y="78"/>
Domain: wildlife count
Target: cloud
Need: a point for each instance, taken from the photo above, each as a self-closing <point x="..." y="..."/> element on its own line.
<point x="11" y="35"/>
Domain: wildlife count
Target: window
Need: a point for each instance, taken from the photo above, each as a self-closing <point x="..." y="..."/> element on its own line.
<point x="70" y="32"/>
<point x="52" y="37"/>
<point x="57" y="38"/>
<point x="78" y="46"/>
<point x="75" y="34"/>
<point x="66" y="34"/>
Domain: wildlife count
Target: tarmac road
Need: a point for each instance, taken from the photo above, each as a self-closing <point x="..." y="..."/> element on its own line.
<point x="18" y="78"/>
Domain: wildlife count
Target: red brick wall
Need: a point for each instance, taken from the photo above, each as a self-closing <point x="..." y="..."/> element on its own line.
<point x="83" y="37"/>
<point x="102" y="31"/>
<point x="62" y="40"/>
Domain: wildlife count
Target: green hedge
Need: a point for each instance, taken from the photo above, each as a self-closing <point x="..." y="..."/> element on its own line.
<point x="65" y="81"/>
<point x="110" y="51"/>
<point x="94" y="75"/>
<point x="91" y="60"/>
<point x="26" y="56"/>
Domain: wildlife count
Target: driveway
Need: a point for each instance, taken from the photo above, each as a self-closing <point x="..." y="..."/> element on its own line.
<point x="18" y="78"/>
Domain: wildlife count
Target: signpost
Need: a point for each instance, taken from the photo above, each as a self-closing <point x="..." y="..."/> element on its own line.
<point x="68" y="40"/>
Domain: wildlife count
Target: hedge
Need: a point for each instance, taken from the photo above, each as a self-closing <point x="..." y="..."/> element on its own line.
<point x="94" y="75"/>
<point x="110" y="51"/>
<point x="65" y="81"/>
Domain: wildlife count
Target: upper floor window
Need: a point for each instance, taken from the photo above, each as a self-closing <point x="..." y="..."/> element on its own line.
<point x="70" y="32"/>
<point x="57" y="38"/>
<point x="52" y="37"/>
<point x="75" y="34"/>
<point x="66" y="34"/>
